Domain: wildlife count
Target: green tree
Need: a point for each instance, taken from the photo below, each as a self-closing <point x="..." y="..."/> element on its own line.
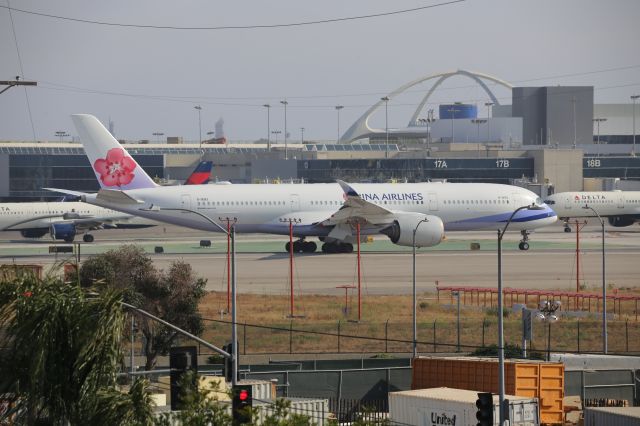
<point x="172" y="295"/>
<point x="60" y="355"/>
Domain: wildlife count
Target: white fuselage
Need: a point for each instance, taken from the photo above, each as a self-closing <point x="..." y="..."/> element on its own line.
<point x="19" y="216"/>
<point x="269" y="208"/>
<point x="605" y="203"/>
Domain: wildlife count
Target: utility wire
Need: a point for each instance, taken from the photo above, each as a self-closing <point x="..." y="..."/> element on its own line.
<point x="26" y="95"/>
<point x="261" y="99"/>
<point x="236" y="27"/>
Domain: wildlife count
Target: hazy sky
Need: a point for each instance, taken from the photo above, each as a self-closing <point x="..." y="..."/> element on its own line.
<point x="149" y="80"/>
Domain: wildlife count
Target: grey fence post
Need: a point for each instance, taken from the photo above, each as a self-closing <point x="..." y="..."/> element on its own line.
<point x="626" y="332"/>
<point x="484" y="324"/>
<point x="338" y="336"/>
<point x="435" y="345"/>
<point x="291" y="336"/>
<point x="244" y="339"/>
<point x="386" y="336"/>
<point x="578" y="336"/>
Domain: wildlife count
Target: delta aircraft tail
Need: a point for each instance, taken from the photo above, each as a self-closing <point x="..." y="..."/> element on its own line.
<point x="112" y="164"/>
<point x="201" y="174"/>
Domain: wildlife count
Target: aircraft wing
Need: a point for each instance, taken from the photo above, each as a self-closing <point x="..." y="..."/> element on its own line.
<point x="355" y="208"/>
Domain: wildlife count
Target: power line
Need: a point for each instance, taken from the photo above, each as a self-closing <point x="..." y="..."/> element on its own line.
<point x="186" y="100"/>
<point x="260" y="99"/>
<point x="236" y="27"/>
<point x="26" y="95"/>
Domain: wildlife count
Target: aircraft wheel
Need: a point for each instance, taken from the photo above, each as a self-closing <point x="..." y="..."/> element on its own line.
<point x="567" y="229"/>
<point x="309" y="247"/>
<point x="329" y="248"/>
<point x="87" y="238"/>
<point x="68" y="239"/>
<point x="523" y="246"/>
<point x="346" y="248"/>
<point x="287" y="247"/>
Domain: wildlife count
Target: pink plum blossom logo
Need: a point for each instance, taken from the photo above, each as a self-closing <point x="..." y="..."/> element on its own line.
<point x="116" y="169"/>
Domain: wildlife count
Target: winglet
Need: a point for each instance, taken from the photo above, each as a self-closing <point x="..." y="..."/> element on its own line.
<point x="348" y="189"/>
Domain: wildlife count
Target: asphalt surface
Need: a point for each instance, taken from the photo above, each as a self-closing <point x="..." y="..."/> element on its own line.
<point x="263" y="267"/>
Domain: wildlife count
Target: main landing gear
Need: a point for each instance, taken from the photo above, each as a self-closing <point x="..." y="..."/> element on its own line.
<point x="524" y="243"/>
<point x="87" y="238"/>
<point x="337" y="247"/>
<point x="301" y="246"/>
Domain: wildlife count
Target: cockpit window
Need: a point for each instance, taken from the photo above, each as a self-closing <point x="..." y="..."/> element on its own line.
<point x="549" y="202"/>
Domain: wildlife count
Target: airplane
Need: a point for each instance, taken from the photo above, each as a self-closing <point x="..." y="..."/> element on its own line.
<point x="408" y="213"/>
<point x="621" y="208"/>
<point x="63" y="220"/>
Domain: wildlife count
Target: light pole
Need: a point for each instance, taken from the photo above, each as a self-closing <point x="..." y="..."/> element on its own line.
<point x="598" y="121"/>
<point x="302" y="135"/>
<point x="199" y="108"/>
<point x="547" y="314"/>
<point x="488" y="105"/>
<point x="452" y="110"/>
<point x="604" y="286"/>
<point x="575" y="129"/>
<point x="157" y="135"/>
<point x="268" y="107"/>
<point x="286" y="153"/>
<point x="415" y="322"/>
<point x="501" y="408"/>
<point x="276" y="132"/>
<point x="386" y="124"/>
<point x="479" y="121"/>
<point x="61" y="134"/>
<point x="633" y="148"/>
<point x="338" y="108"/>
<point x="234" y="326"/>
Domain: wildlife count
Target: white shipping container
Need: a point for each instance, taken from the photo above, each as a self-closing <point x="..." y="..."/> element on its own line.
<point x="612" y="416"/>
<point x="455" y="407"/>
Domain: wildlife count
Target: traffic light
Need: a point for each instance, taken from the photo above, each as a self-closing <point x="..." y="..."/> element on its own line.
<point x="485" y="409"/>
<point x="241" y="404"/>
<point x="228" y="364"/>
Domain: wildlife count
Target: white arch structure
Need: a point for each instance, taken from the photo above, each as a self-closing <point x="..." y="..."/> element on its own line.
<point x="360" y="128"/>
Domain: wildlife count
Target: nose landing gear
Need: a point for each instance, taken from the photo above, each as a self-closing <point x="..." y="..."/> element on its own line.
<point x="567" y="228"/>
<point x="524" y="243"/>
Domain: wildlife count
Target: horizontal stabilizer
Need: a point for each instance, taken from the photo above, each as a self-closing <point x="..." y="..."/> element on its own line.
<point x="67" y="191"/>
<point x="117" y="197"/>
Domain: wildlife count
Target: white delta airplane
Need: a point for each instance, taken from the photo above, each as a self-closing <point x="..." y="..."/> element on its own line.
<point x="621" y="208"/>
<point x="328" y="211"/>
<point x="63" y="220"/>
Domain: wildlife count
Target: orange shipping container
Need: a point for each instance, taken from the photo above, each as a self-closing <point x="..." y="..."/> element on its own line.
<point x="527" y="378"/>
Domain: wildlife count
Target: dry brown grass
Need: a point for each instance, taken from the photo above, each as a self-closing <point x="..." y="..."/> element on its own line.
<point x="324" y="314"/>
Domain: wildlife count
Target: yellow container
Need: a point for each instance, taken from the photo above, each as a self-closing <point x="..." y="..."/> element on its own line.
<point x="527" y="378"/>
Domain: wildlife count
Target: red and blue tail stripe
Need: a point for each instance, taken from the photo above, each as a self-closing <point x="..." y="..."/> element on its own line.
<point x="201" y="175"/>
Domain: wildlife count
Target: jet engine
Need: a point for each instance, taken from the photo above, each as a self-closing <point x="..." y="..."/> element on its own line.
<point x="619" y="221"/>
<point x="34" y="232"/>
<point x="63" y="231"/>
<point x="429" y="233"/>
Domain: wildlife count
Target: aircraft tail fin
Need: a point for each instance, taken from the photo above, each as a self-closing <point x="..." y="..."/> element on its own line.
<point x="201" y="174"/>
<point x="112" y="164"/>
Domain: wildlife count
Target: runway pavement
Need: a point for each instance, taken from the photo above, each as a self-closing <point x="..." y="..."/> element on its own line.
<point x="263" y="267"/>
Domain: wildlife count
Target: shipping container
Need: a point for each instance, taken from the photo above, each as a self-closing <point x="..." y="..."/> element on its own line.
<point x="446" y="406"/>
<point x="612" y="416"/>
<point x="526" y="378"/>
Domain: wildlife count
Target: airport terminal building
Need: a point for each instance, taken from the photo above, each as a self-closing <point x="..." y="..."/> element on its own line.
<point x="549" y="139"/>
